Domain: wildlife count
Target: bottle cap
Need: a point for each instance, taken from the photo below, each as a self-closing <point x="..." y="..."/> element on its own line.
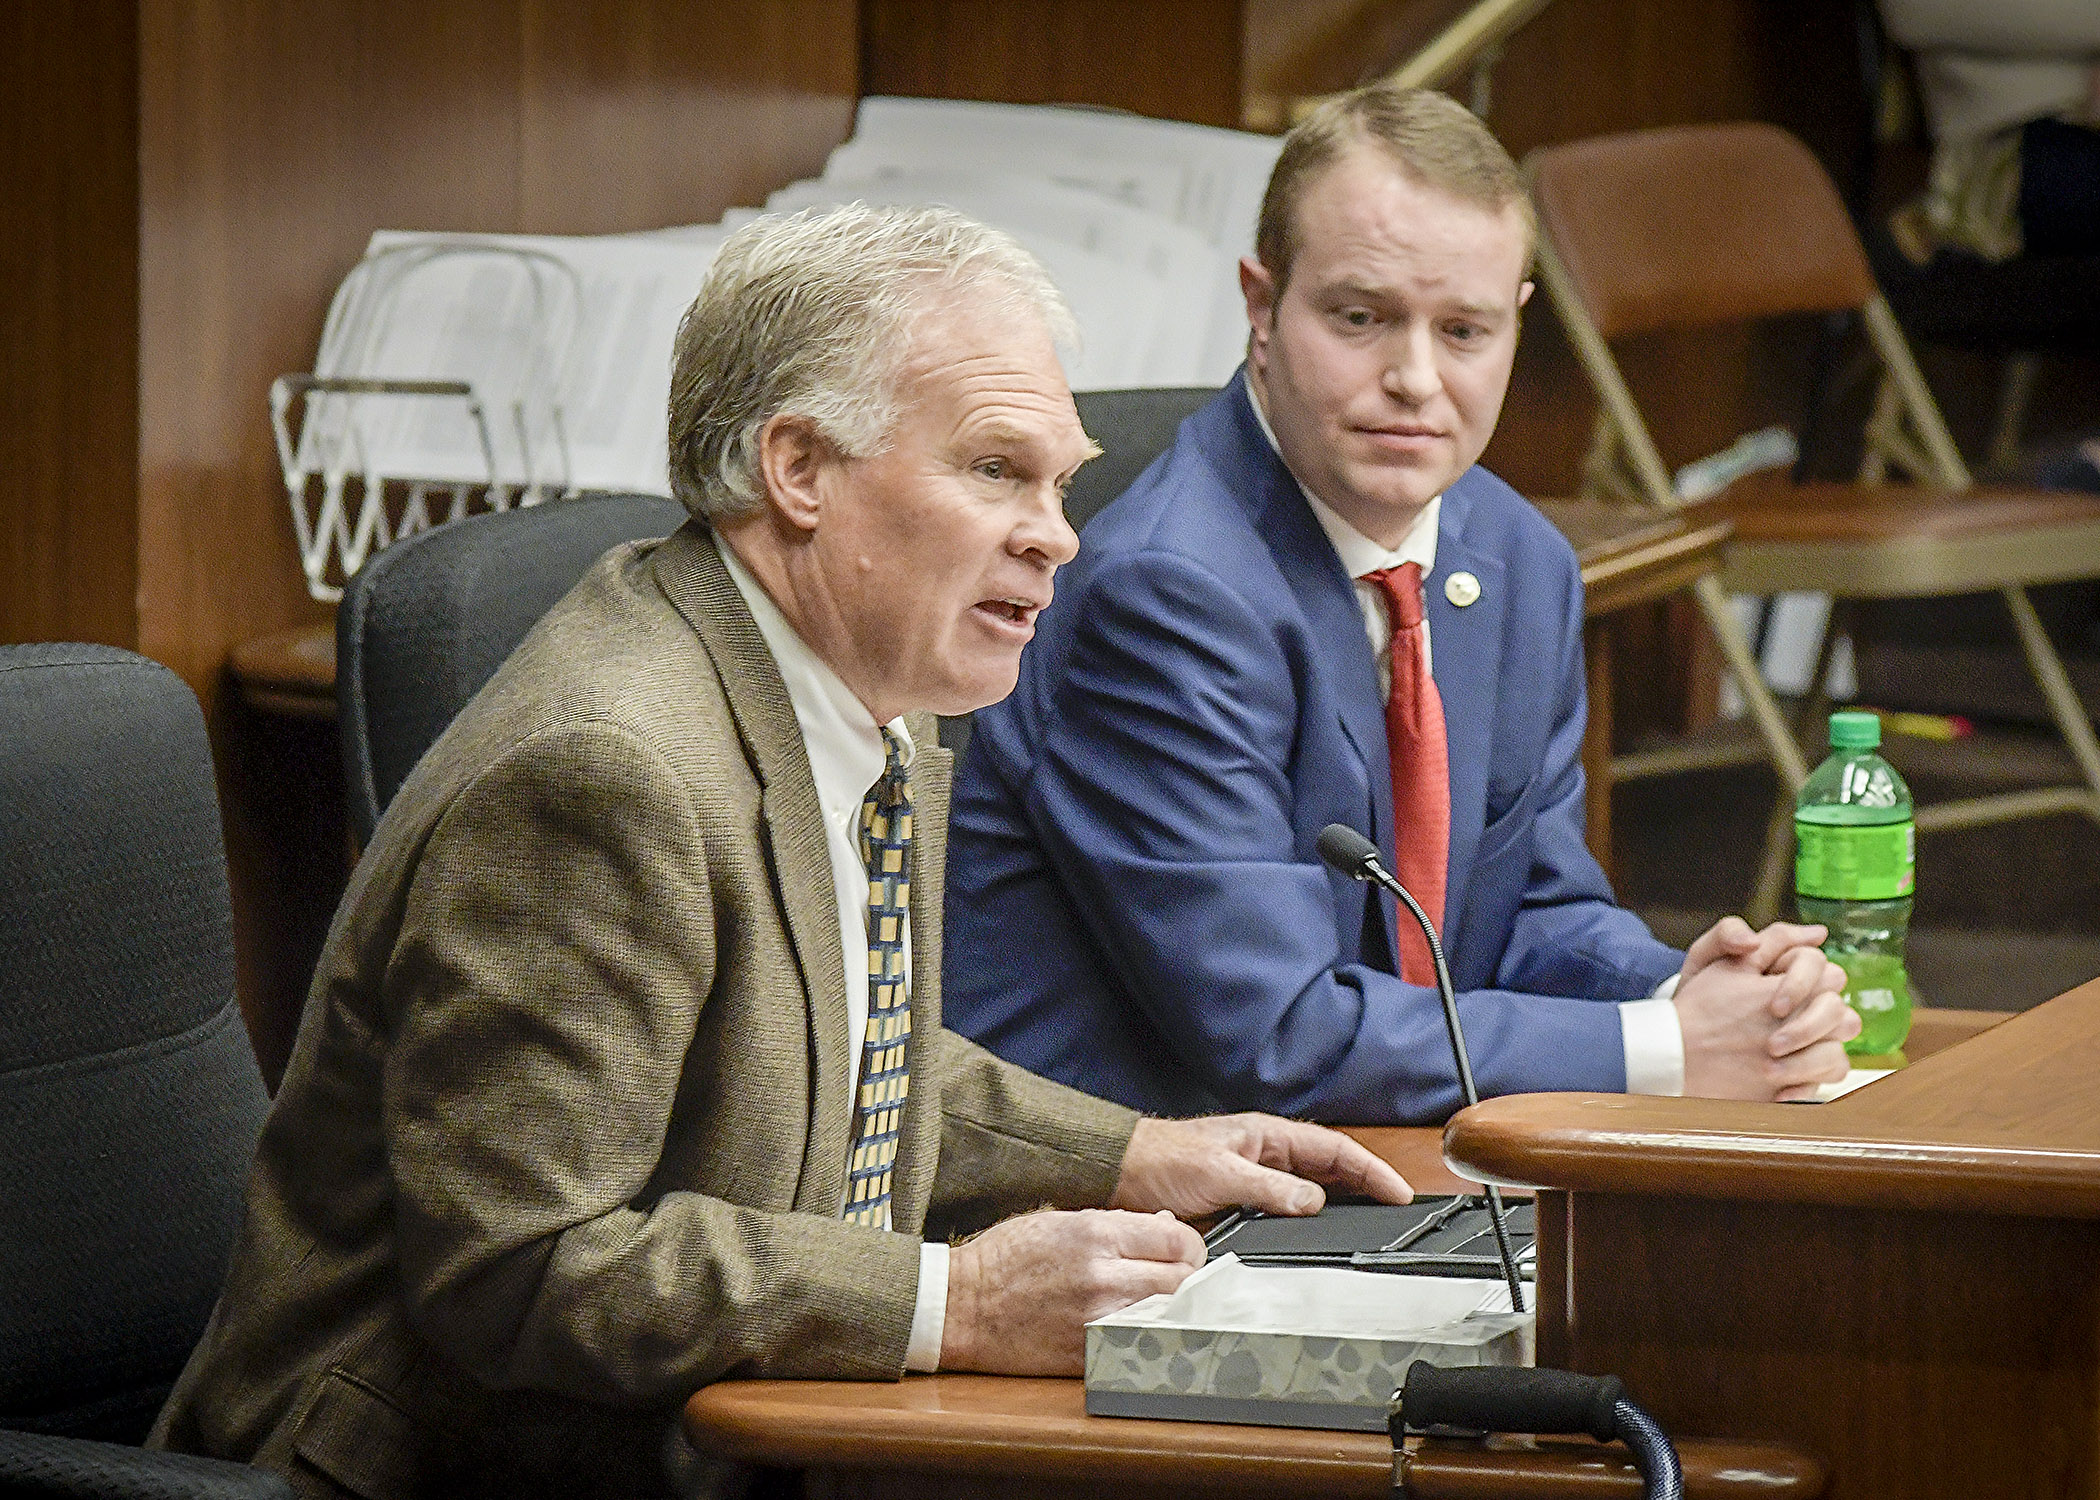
<point x="1855" y="731"/>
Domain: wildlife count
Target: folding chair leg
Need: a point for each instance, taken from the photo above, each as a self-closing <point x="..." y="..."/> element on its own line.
<point x="1815" y="704"/>
<point x="1775" y="869"/>
<point x="1780" y="744"/>
<point x="2055" y="683"/>
<point x="2015" y="395"/>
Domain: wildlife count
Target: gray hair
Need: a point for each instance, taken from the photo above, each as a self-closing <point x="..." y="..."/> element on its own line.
<point x="813" y="314"/>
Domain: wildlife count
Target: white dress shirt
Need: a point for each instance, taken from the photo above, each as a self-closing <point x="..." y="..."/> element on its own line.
<point x="846" y="758"/>
<point x="1652" y="1036"/>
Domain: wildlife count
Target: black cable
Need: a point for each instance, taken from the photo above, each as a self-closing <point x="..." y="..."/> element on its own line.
<point x="1503" y="1398"/>
<point x="1465" y="1084"/>
<point x="1653" y="1453"/>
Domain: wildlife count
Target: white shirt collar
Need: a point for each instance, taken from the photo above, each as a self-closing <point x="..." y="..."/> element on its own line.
<point x="843" y="742"/>
<point x="1359" y="554"/>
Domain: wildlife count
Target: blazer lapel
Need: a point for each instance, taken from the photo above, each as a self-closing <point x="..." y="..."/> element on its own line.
<point x="1465" y="650"/>
<point x="1326" y="595"/>
<point x="691" y="573"/>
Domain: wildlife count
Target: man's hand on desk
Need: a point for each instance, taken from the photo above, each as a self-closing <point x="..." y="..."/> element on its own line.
<point x="1763" y="1013"/>
<point x="1021" y="1293"/>
<point x="1196" y="1167"/>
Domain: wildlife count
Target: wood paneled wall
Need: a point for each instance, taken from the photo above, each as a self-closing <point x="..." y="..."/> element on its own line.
<point x="1174" y="59"/>
<point x="187" y="182"/>
<point x="276" y="137"/>
<point x="69" y="139"/>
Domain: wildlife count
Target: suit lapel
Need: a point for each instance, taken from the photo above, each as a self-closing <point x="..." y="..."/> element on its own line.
<point x="691" y="573"/>
<point x="1465" y="651"/>
<point x="1327" y="597"/>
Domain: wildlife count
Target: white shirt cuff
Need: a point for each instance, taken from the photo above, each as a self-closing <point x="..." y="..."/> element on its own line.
<point x="929" y="1319"/>
<point x="1654" y="1040"/>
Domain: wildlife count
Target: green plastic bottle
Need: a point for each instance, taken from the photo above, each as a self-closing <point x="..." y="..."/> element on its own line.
<point x="1854" y="855"/>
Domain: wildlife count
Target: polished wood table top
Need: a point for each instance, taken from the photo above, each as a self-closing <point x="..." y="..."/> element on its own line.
<point x="2007" y="1123"/>
<point x="291" y="672"/>
<point x="1631" y="554"/>
<point x="998" y="1427"/>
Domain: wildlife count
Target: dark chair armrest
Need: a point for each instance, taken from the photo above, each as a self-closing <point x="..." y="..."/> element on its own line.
<point x="41" y="1467"/>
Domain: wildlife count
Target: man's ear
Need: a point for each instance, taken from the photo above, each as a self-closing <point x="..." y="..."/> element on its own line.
<point x="792" y="456"/>
<point x="1523" y="292"/>
<point x="1259" y="288"/>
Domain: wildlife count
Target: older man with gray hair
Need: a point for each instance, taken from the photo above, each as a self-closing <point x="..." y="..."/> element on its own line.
<point x="623" y="1069"/>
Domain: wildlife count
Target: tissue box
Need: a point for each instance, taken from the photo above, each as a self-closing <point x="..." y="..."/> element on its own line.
<point x="1293" y="1346"/>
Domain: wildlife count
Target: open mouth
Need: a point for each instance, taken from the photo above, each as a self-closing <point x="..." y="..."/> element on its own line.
<point x="1011" y="611"/>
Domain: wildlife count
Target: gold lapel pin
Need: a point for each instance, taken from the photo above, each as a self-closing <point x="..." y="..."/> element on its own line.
<point x="1461" y="589"/>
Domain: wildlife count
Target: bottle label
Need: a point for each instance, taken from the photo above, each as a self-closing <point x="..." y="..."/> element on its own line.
<point x="1836" y="862"/>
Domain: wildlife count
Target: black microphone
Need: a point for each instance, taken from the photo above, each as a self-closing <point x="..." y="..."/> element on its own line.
<point x="1357" y="857"/>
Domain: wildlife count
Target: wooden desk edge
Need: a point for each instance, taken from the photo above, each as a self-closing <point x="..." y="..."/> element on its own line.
<point x="1863" y="1151"/>
<point x="290" y="672"/>
<point x="1662" y="568"/>
<point x="990" y="1426"/>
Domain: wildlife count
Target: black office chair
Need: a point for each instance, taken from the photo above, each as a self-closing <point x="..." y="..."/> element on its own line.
<point x="429" y="620"/>
<point x="1133" y="427"/>
<point x="130" y="1102"/>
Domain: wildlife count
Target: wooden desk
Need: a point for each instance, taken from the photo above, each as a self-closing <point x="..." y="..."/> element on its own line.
<point x="968" y="1435"/>
<point x="290" y="673"/>
<point x="934" y="1436"/>
<point x="1906" y="1282"/>
<point x="1629" y="555"/>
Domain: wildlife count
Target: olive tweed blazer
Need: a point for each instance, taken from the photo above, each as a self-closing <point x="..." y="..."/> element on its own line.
<point x="564" y="1134"/>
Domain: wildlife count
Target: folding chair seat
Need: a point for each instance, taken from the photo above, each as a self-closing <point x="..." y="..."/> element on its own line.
<point x="1662" y="231"/>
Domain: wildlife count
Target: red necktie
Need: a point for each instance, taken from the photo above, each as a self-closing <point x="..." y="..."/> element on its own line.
<point x="1414" y="736"/>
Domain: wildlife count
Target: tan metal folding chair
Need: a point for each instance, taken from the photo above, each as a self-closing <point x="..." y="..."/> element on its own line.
<point x="1696" y="226"/>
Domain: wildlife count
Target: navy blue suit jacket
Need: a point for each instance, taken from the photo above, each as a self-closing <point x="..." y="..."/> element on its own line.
<point x="1134" y="902"/>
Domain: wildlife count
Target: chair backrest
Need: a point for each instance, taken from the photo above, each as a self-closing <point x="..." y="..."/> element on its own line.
<point x="130" y="1101"/>
<point x="429" y="620"/>
<point x="1133" y="428"/>
<point x="1696" y="225"/>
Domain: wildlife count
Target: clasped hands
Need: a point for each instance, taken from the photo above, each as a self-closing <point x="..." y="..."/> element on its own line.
<point x="1021" y="1293"/>
<point x="1763" y="1012"/>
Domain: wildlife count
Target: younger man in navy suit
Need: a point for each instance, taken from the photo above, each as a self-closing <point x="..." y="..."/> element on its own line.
<point x="1314" y="609"/>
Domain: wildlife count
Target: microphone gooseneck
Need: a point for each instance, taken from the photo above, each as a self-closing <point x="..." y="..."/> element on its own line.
<point x="1355" y="856"/>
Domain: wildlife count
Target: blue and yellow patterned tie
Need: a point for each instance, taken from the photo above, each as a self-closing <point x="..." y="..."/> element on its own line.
<point x="885" y="1075"/>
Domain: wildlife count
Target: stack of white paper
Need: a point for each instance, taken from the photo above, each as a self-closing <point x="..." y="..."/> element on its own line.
<point x="1206" y="181"/>
<point x="566" y="340"/>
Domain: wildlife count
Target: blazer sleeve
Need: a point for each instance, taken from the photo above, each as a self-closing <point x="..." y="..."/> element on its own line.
<point x="1569" y="936"/>
<point x="1011" y="1141"/>
<point x="555" y="954"/>
<point x="1162" y="799"/>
